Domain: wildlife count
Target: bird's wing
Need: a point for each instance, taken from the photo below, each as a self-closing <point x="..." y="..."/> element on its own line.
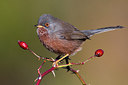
<point x="72" y="35"/>
<point x="68" y="31"/>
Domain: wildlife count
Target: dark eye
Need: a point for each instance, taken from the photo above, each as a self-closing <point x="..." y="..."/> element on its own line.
<point x="46" y="24"/>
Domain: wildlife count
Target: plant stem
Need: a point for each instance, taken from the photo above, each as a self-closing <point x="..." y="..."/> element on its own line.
<point x="78" y="75"/>
<point x="45" y="73"/>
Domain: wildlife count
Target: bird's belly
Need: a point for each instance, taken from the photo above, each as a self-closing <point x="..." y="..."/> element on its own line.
<point x="62" y="47"/>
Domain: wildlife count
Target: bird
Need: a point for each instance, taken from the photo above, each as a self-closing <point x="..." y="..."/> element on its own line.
<point x="63" y="38"/>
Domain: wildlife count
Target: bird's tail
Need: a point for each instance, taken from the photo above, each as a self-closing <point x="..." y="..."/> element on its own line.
<point x="89" y="33"/>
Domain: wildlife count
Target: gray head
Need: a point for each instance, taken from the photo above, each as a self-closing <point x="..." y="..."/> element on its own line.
<point x="46" y="18"/>
<point x="49" y="22"/>
<point x="54" y="24"/>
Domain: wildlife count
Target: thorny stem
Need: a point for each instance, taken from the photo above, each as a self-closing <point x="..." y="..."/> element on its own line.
<point x="42" y="75"/>
<point x="78" y="75"/>
<point x="34" y="53"/>
<point x="81" y="63"/>
<point x="39" y="56"/>
<point x="39" y="70"/>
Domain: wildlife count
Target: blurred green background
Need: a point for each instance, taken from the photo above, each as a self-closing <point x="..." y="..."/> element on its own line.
<point x="17" y="20"/>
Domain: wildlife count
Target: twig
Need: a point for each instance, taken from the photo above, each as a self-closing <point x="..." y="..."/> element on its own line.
<point x="42" y="75"/>
<point x="78" y="75"/>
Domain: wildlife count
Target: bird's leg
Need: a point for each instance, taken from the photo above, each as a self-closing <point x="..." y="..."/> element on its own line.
<point x="66" y="59"/>
<point x="55" y="64"/>
<point x="58" y="57"/>
<point x="67" y="62"/>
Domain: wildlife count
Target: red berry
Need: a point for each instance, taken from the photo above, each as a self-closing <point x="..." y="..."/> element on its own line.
<point x="23" y="45"/>
<point x="99" y="52"/>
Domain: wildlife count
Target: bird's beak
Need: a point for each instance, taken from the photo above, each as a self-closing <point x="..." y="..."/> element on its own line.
<point x="39" y="26"/>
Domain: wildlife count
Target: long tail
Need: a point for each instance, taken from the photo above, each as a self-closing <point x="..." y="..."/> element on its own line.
<point x="89" y="33"/>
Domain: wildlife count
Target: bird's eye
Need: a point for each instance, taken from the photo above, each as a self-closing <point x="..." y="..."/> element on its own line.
<point x="47" y="24"/>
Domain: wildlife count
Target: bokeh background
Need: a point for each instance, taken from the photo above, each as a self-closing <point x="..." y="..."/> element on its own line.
<point x="17" y="20"/>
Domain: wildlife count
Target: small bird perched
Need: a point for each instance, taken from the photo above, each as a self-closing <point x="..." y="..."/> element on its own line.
<point x="63" y="38"/>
